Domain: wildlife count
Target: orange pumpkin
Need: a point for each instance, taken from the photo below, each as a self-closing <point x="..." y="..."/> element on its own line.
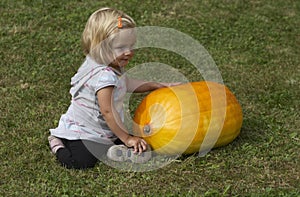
<point x="188" y="118"/>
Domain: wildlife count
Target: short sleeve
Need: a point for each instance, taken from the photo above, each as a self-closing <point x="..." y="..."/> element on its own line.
<point x="105" y="78"/>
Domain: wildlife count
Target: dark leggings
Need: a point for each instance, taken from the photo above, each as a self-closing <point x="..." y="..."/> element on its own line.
<point x="81" y="154"/>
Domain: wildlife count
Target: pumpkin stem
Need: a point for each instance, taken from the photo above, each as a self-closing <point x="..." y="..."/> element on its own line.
<point x="147" y="129"/>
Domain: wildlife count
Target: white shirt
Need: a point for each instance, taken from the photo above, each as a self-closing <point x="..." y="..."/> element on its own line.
<point x="83" y="119"/>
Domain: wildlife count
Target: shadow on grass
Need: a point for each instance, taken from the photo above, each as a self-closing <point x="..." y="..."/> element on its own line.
<point x="255" y="133"/>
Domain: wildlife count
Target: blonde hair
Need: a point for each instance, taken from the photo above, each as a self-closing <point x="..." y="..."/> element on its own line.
<point x="99" y="30"/>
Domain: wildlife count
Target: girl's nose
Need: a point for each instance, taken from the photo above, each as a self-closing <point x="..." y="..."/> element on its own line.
<point x="128" y="52"/>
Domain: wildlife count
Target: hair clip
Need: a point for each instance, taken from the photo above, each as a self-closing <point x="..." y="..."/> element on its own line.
<point x="120" y="22"/>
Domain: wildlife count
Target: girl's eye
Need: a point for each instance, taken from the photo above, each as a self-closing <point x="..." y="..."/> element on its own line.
<point x="124" y="47"/>
<point x="120" y="48"/>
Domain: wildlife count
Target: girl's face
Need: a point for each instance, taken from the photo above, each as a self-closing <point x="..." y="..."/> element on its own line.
<point x="122" y="46"/>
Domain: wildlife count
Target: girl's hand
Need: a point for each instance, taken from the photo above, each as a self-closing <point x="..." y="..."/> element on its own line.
<point x="139" y="145"/>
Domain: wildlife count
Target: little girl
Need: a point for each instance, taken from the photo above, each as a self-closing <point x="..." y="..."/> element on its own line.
<point x="93" y="125"/>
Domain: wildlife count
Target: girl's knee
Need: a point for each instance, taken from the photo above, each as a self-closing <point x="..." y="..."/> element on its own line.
<point x="77" y="164"/>
<point x="69" y="161"/>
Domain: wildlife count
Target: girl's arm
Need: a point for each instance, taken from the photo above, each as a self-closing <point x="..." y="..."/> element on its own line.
<point x="114" y="122"/>
<point x="139" y="86"/>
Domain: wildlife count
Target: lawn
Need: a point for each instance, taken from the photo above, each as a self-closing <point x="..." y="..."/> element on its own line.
<point x="255" y="45"/>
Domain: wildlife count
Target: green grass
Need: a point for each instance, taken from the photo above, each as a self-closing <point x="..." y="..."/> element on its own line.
<point x="256" y="45"/>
